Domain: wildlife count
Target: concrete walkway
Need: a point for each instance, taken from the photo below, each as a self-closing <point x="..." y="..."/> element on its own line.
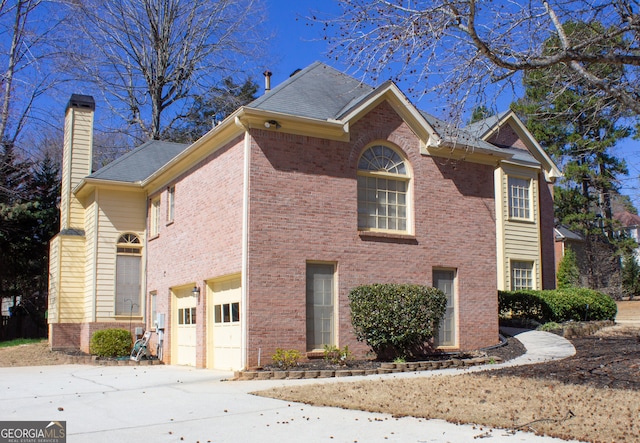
<point x="175" y="404"/>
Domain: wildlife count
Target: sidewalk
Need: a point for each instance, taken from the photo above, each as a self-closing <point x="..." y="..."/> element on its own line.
<point x="174" y="404"/>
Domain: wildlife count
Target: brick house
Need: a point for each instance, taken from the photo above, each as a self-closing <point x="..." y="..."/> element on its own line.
<point x="251" y="238"/>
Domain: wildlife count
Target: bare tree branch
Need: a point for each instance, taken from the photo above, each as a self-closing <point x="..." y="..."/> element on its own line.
<point x="151" y="58"/>
<point x="459" y="48"/>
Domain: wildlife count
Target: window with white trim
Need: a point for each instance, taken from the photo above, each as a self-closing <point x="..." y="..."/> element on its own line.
<point x="171" y="200"/>
<point x="154" y="222"/>
<point x="521" y="275"/>
<point x="519" y="198"/>
<point x="226" y="313"/>
<point x="128" y="275"/>
<point x="383" y="183"/>
<point x="187" y="316"/>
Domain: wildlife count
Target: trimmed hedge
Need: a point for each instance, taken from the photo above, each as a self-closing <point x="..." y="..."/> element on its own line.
<point x="396" y="320"/>
<point x="111" y="343"/>
<point x="559" y="305"/>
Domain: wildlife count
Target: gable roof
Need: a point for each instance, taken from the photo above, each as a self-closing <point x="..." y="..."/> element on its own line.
<point x="320" y="101"/>
<point x="627" y="219"/>
<point x="536" y="155"/>
<point x="562" y="233"/>
<point x="327" y="95"/>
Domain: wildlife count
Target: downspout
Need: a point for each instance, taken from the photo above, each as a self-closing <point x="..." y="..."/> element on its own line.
<point x="245" y="244"/>
<point x="94" y="267"/>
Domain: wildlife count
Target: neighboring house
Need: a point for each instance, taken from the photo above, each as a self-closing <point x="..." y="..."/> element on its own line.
<point x="251" y="238"/>
<point x="630" y="225"/>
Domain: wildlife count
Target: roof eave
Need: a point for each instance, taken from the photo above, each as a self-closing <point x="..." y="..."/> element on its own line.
<point x="88" y="184"/>
<point x="390" y="92"/>
<point x="457" y="151"/>
<point x="551" y="171"/>
<point x="219" y="135"/>
<point x="252" y="118"/>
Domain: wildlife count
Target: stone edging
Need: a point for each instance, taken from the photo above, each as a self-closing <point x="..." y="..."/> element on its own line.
<point x="385" y="368"/>
<point x="94" y="360"/>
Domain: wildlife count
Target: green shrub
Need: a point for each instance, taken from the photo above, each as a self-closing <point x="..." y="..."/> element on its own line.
<point x="110" y="343"/>
<point x="560" y="305"/>
<point x="396" y="320"/>
<point x="551" y="326"/>
<point x="523" y="305"/>
<point x="286" y="359"/>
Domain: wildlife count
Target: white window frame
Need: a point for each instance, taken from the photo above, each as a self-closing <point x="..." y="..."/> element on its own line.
<point x="384" y="200"/>
<point x="519" y="195"/>
<point x="154" y="218"/>
<point x="128" y="299"/>
<point x="450" y="319"/>
<point x="522" y="275"/>
<point x="171" y="202"/>
<point x="323" y="313"/>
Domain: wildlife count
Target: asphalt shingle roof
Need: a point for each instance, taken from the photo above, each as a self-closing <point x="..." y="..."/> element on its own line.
<point x="139" y="164"/>
<point x="462" y="137"/>
<point x="318" y="92"/>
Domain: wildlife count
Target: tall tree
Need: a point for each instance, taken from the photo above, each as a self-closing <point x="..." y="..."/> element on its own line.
<point x="27" y="224"/>
<point x="152" y="58"/>
<point x="29" y="35"/>
<point x="579" y="125"/>
<point x="460" y="47"/>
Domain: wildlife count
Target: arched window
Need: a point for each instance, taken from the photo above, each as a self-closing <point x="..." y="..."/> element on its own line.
<point x="383" y="183"/>
<point x="128" y="275"/>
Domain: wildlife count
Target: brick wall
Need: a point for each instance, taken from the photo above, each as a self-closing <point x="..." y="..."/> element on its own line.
<point x="204" y="239"/>
<point x="303" y="207"/>
<point x="547" y="236"/>
<point x="77" y="336"/>
<point x="64" y="336"/>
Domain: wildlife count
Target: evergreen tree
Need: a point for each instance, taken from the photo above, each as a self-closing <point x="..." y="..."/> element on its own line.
<point x="480" y="113"/>
<point x="207" y="111"/>
<point x="568" y="271"/>
<point x="579" y="126"/>
<point x="630" y="275"/>
<point x="28" y="220"/>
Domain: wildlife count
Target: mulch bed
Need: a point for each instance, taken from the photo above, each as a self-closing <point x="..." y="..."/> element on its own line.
<point x="600" y="362"/>
<point x="512" y="349"/>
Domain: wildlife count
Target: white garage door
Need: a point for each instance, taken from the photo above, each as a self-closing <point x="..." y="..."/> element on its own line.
<point x="224" y="326"/>
<point x="184" y="329"/>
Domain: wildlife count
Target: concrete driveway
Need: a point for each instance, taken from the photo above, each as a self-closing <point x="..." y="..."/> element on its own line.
<point x="175" y="404"/>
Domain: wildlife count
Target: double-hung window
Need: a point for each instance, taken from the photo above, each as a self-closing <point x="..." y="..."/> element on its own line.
<point x="383" y="186"/>
<point x="521" y="275"/>
<point x="519" y="198"/>
<point x="171" y="202"/>
<point x="154" y="222"/>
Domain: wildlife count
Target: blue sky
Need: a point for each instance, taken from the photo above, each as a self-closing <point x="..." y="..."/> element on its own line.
<point x="296" y="45"/>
